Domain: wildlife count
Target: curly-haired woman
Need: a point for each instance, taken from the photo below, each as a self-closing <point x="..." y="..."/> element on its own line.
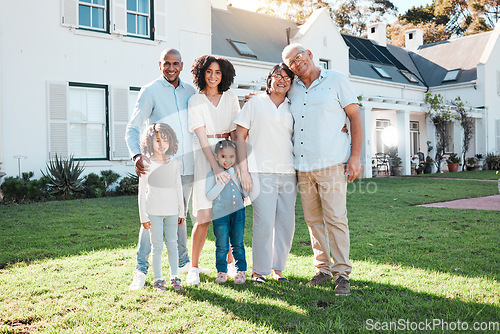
<point x="211" y="114"/>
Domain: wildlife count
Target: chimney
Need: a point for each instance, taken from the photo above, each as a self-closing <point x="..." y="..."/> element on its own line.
<point x="219" y="4"/>
<point x="414" y="38"/>
<point x="377" y="33"/>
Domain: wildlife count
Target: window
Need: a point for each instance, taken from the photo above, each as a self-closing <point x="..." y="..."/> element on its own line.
<point x="381" y="72"/>
<point x="87" y="132"/>
<point x="452" y="75"/>
<point x="380" y="125"/>
<point x="324" y="63"/>
<point x="414" y="138"/>
<point x="93" y="14"/>
<point x="139" y="18"/>
<point x="242" y="48"/>
<point x="409" y="76"/>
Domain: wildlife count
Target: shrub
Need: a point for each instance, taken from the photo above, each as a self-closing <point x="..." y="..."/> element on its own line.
<point x="99" y="186"/>
<point x="20" y="190"/>
<point x="453" y="159"/>
<point x="493" y="161"/>
<point x="64" y="177"/>
<point x="128" y="185"/>
<point x="92" y="186"/>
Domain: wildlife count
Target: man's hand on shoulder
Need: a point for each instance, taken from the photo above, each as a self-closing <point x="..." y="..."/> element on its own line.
<point x="140" y="162"/>
<point x="248" y="97"/>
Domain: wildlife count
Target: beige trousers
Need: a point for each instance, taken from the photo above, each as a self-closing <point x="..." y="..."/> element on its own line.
<point x="323" y="195"/>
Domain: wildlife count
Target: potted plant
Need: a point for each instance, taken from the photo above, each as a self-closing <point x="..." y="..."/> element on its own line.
<point x="453" y="160"/>
<point x="396" y="166"/>
<point x="374" y="168"/>
<point x="471" y="164"/>
<point x="395" y="161"/>
<point x="420" y="168"/>
<point x="428" y="165"/>
<point x="480" y="161"/>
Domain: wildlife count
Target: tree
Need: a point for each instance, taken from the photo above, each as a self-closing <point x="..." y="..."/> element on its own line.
<point x="295" y="10"/>
<point x="441" y="115"/>
<point x="351" y="16"/>
<point x="467" y="124"/>
<point x="468" y="17"/>
<point x="446" y="18"/>
<point x="433" y="32"/>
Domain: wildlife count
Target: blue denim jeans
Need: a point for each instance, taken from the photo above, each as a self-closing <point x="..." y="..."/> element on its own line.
<point x="229" y="227"/>
<point x="144" y="244"/>
<point x="164" y="228"/>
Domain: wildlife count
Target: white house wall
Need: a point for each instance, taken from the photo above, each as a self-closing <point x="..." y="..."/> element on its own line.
<point x="41" y="50"/>
<point x="491" y="72"/>
<point x="320" y="35"/>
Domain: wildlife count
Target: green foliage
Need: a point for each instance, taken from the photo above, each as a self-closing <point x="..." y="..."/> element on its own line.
<point x="392" y="152"/>
<point x="471" y="161"/>
<point x="453" y="159"/>
<point x="64" y="176"/>
<point x="99" y="186"/>
<point x="128" y="185"/>
<point x="21" y="190"/>
<point x="493" y="161"/>
<point x="441" y="115"/>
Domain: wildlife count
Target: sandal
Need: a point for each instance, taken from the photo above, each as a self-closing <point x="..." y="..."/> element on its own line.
<point x="259" y="279"/>
<point x="280" y="279"/>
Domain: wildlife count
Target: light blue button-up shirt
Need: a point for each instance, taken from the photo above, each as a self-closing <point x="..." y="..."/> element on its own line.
<point x="160" y="102"/>
<point x="319" y="116"/>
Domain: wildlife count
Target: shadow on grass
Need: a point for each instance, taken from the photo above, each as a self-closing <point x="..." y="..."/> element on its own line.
<point x="317" y="310"/>
<point x="385" y="227"/>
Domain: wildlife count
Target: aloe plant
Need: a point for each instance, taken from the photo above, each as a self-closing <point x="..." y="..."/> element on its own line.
<point x="64" y="176"/>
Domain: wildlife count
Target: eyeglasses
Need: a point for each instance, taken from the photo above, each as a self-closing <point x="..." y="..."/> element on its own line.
<point x="279" y="77"/>
<point x="299" y="57"/>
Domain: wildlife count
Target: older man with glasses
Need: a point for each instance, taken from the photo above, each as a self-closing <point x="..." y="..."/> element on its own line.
<point x="325" y="160"/>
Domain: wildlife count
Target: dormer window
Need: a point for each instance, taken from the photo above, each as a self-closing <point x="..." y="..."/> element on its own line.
<point x="242" y="48"/>
<point x="452" y="75"/>
<point x="381" y="72"/>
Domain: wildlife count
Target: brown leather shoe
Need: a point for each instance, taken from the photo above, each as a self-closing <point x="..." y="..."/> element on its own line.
<point x="319" y="278"/>
<point x="342" y="286"/>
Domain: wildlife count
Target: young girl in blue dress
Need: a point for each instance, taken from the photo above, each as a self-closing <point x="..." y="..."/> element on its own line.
<point x="228" y="212"/>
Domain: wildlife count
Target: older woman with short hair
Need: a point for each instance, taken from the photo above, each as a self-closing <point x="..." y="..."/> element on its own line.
<point x="268" y="173"/>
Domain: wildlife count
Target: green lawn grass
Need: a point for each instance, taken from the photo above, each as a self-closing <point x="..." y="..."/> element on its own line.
<point x="480" y="175"/>
<point x="67" y="266"/>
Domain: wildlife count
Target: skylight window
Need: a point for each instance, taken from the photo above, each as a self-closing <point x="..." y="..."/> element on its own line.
<point x="452" y="75"/>
<point x="409" y="76"/>
<point x="242" y="49"/>
<point x="380" y="71"/>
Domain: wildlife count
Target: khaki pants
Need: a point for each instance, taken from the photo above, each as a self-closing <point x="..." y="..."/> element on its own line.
<point x="323" y="195"/>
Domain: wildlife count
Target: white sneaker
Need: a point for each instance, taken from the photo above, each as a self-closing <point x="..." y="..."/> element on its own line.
<point x="193" y="276"/>
<point x="185" y="269"/>
<point x="231" y="269"/>
<point x="203" y="270"/>
<point x="138" y="281"/>
<point x="187" y="266"/>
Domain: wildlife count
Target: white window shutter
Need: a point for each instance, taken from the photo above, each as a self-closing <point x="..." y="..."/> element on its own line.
<point x="118" y="123"/>
<point x="57" y="93"/>
<point x="69" y="13"/>
<point x="160" y="12"/>
<point x="119" y="14"/>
